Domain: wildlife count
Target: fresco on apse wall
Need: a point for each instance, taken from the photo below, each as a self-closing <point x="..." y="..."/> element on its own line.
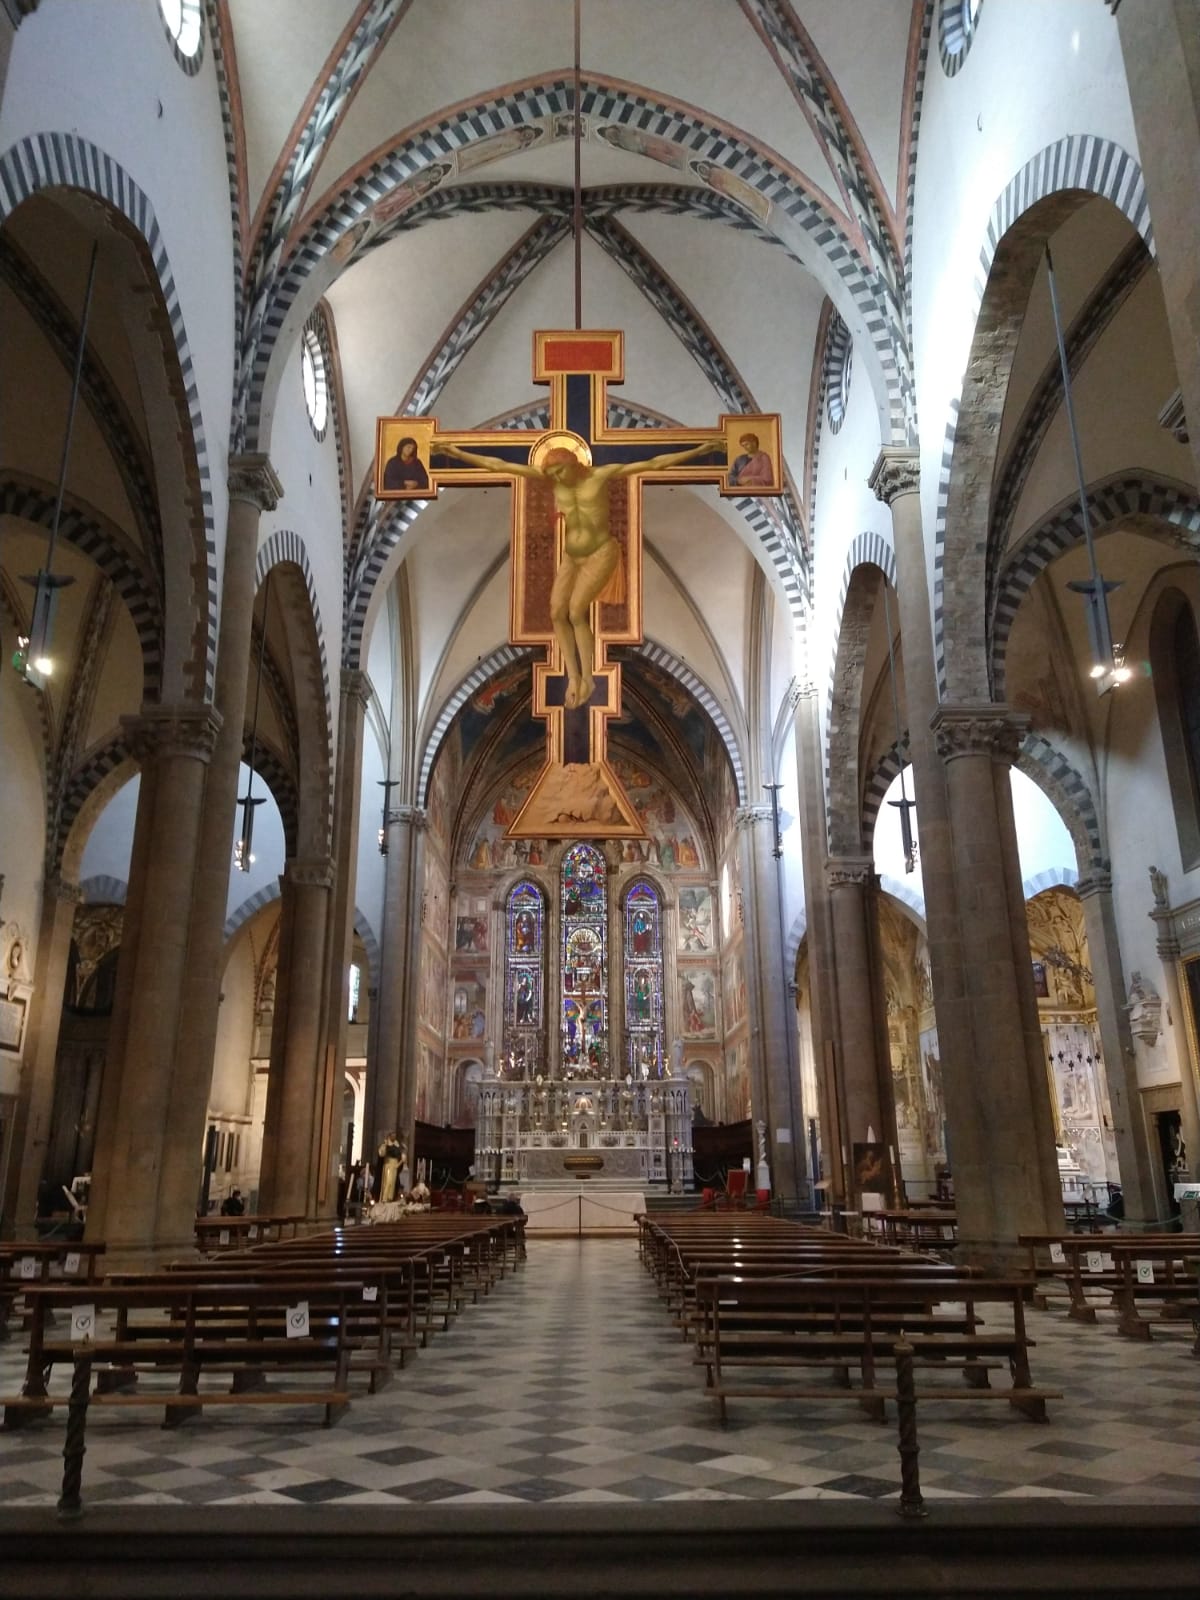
<point x="670" y="844"/>
<point x="731" y="896"/>
<point x="468" y="1009"/>
<point x="696" y="934"/>
<point x="471" y="934"/>
<point x="429" y="1069"/>
<point x="478" y="715"/>
<point x="435" y="898"/>
<point x="432" y="987"/>
<point x="733" y="989"/>
<point x="677" y="708"/>
<point x="438" y="805"/>
<point x="933" y="1112"/>
<point x="698" y="1002"/>
<point x="737" y="1067"/>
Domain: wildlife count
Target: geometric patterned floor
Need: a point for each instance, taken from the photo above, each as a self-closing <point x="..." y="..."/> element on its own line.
<point x="570" y="1384"/>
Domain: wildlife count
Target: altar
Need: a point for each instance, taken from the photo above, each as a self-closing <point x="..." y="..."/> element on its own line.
<point x="555" y="1131"/>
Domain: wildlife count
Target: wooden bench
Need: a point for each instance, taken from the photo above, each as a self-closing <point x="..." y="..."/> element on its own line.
<point x="840" y="1323"/>
<point x="189" y="1330"/>
<point x="237" y="1233"/>
<point x="1110" y="1266"/>
<point x="24" y="1263"/>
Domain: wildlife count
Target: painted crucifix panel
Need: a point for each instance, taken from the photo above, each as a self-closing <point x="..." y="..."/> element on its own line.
<point x="576" y="581"/>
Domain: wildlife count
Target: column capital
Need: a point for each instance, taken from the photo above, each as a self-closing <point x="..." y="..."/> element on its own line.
<point x="747" y="816"/>
<point x="897" y="471"/>
<point x="356" y="685"/>
<point x="180" y="730"/>
<point x="978" y="729"/>
<point x="314" y="873"/>
<point x="63" y="889"/>
<point x="843" y="870"/>
<point x="415" y="817"/>
<point x="1098" y="881"/>
<point x="252" y="479"/>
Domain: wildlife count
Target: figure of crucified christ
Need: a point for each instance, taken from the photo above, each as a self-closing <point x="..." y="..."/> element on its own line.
<point x="590" y="553"/>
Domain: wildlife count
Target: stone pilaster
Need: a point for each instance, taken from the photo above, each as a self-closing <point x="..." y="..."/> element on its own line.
<point x="998" y="1097"/>
<point x="35" y="1102"/>
<point x="774" y="1063"/>
<point x="347" y="793"/>
<point x="253" y="489"/>
<point x="1116" y="1041"/>
<point x="1167" y="945"/>
<point x="864" y="1071"/>
<point x="132" y="1207"/>
<point x="819" y="936"/>
<point x="288" y="1179"/>
<point x="391" y="1078"/>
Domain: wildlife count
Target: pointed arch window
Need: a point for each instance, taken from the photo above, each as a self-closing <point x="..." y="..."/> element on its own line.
<point x="524" y="978"/>
<point x="643" y="979"/>
<point x="584" y="1018"/>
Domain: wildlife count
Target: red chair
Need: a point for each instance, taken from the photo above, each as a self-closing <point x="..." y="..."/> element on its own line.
<point x="708" y="1199"/>
<point x="735" y="1187"/>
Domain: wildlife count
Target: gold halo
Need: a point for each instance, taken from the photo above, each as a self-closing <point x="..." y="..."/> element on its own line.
<point x="560" y="439"/>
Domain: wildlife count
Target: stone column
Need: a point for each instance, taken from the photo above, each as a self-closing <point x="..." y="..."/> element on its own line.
<point x="1120" y="1058"/>
<point x="819" y="934"/>
<point x="347" y="794"/>
<point x="1006" y="1177"/>
<point x="35" y="1103"/>
<point x="1160" y="43"/>
<point x="864" y="1070"/>
<point x="399" y="950"/>
<point x="774" y="1070"/>
<point x="253" y="489"/>
<point x="288" y="1180"/>
<point x="1177" y="1036"/>
<point x="135" y="1139"/>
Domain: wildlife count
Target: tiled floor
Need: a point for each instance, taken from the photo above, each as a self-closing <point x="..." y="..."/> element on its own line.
<point x="569" y="1383"/>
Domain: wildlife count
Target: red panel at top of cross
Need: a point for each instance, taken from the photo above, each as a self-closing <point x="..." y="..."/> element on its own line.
<point x="600" y="354"/>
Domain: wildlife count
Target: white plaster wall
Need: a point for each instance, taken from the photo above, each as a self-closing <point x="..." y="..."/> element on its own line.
<point x="110" y="843"/>
<point x="845" y="508"/>
<point x="311" y="506"/>
<point x="369" y="870"/>
<point x="1035" y="73"/>
<point x="229" y="1094"/>
<point x="106" y="72"/>
<point x="787" y="773"/>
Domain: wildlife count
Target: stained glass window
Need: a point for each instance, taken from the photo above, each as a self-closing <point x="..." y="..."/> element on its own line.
<point x="643" y="980"/>
<point x="524" y="966"/>
<point x="584" y="1021"/>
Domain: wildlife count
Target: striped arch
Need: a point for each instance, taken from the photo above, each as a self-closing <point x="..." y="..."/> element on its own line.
<point x="475" y="679"/>
<point x="64" y="160"/>
<point x="662" y="657"/>
<point x="801" y="217"/>
<point x="241" y="915"/>
<point x="885" y="772"/>
<point x="101" y="890"/>
<point x="795" y="939"/>
<point x="1141" y="505"/>
<point x="102" y="541"/>
<point x="625" y="413"/>
<point x="1062" y="173"/>
<point x="271" y="768"/>
<point x="1052" y="878"/>
<point x="1071" y="796"/>
<point x="284" y="545"/>
<point x="98" y="772"/>
<point x="852" y="624"/>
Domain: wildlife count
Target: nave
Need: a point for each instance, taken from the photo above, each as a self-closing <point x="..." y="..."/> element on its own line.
<point x="569" y="1383"/>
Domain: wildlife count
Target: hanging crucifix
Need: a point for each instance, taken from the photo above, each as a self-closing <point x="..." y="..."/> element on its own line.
<point x="576" y="583"/>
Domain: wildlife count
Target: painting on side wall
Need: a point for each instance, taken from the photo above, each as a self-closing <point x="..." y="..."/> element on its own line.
<point x="696" y="936"/>
<point x="934" y="1113"/>
<point x="698" y="1004"/>
<point x="471" y="935"/>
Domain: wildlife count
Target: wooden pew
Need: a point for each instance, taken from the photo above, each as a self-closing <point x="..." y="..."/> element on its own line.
<point x="187" y="1330"/>
<point x="24" y="1263"/>
<point x="236" y="1233"/>
<point x="839" y="1323"/>
<point x="1083" y="1270"/>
